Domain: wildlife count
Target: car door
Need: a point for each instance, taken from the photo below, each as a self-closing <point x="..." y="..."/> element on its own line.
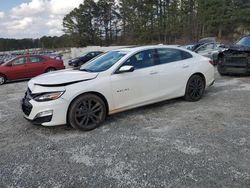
<point x="139" y="86"/>
<point x="17" y="69"/>
<point x="36" y="65"/>
<point x="174" y="69"/>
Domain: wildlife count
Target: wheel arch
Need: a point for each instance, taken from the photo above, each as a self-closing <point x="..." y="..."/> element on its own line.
<point x="200" y="74"/>
<point x="50" y="67"/>
<point x="4" y="75"/>
<point x="187" y="96"/>
<point x="93" y="93"/>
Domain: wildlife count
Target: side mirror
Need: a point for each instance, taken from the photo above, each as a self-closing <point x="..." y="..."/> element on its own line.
<point x="125" y="68"/>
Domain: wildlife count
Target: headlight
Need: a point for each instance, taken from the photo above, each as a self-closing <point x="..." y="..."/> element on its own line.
<point x="48" y="96"/>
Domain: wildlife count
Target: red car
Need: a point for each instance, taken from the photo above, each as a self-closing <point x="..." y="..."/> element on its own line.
<point x="28" y="66"/>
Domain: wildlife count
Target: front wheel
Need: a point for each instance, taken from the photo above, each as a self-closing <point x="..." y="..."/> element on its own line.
<point x="195" y="88"/>
<point x="50" y="70"/>
<point x="87" y="112"/>
<point x="2" y="79"/>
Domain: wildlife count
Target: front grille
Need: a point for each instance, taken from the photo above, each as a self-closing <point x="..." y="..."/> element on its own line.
<point x="237" y="60"/>
<point x="26" y="105"/>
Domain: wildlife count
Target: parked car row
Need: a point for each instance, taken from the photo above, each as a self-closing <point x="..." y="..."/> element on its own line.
<point x="6" y="56"/>
<point x="28" y="66"/>
<point x="78" y="61"/>
<point x="14" y="67"/>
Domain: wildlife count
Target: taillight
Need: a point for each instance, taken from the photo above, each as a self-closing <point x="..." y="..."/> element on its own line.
<point x="211" y="62"/>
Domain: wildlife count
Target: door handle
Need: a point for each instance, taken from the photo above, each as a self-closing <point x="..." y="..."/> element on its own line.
<point x="185" y="66"/>
<point x="153" y="73"/>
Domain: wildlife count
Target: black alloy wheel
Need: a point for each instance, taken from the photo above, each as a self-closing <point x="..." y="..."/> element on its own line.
<point x="195" y="88"/>
<point x="87" y="112"/>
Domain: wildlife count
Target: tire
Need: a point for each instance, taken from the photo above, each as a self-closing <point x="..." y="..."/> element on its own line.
<point x="87" y="112"/>
<point x="2" y="79"/>
<point x="50" y="69"/>
<point x="195" y="88"/>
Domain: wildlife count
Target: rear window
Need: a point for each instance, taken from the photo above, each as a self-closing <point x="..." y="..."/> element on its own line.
<point x="186" y="55"/>
<point x="36" y="59"/>
<point x="167" y="55"/>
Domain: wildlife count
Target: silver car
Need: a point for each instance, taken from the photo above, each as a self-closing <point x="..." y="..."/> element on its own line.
<point x="210" y="50"/>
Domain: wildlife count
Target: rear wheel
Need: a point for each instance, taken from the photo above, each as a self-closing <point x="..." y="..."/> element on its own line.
<point x="195" y="88"/>
<point x="2" y="79"/>
<point x="87" y="112"/>
<point x="50" y="69"/>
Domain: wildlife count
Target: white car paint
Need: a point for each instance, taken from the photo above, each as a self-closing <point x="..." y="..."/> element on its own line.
<point x="121" y="91"/>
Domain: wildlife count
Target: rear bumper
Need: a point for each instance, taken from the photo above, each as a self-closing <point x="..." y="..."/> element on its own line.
<point x="236" y="63"/>
<point x="239" y="70"/>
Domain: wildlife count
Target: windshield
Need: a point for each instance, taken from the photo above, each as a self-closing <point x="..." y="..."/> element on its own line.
<point x="104" y="62"/>
<point x="245" y="41"/>
<point x="83" y="54"/>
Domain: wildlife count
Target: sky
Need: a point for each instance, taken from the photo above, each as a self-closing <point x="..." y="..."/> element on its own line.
<point x="33" y="18"/>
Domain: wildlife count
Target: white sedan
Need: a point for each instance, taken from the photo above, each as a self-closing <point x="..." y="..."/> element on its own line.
<point x="116" y="81"/>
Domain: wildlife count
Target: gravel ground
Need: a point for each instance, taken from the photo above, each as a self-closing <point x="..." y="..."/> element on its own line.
<point x="169" y="144"/>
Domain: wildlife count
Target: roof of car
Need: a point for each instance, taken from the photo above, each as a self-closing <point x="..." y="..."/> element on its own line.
<point x="138" y="48"/>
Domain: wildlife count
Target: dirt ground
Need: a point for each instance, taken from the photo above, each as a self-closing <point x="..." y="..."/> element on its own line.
<point x="169" y="144"/>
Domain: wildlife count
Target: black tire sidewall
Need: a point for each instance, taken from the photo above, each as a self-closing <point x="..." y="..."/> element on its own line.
<point x="187" y="96"/>
<point x="3" y="78"/>
<point x="71" y="112"/>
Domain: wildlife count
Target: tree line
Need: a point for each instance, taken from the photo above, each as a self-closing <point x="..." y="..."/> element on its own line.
<point x="110" y="22"/>
<point x="45" y="42"/>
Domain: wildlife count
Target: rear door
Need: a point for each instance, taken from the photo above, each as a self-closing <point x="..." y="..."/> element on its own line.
<point x="36" y="65"/>
<point x="174" y="69"/>
<point x="17" y="69"/>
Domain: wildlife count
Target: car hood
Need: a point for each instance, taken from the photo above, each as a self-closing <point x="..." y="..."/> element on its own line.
<point x="237" y="47"/>
<point x="63" y="78"/>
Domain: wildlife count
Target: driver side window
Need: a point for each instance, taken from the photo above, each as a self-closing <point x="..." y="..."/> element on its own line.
<point x="142" y="59"/>
<point x="19" y="61"/>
